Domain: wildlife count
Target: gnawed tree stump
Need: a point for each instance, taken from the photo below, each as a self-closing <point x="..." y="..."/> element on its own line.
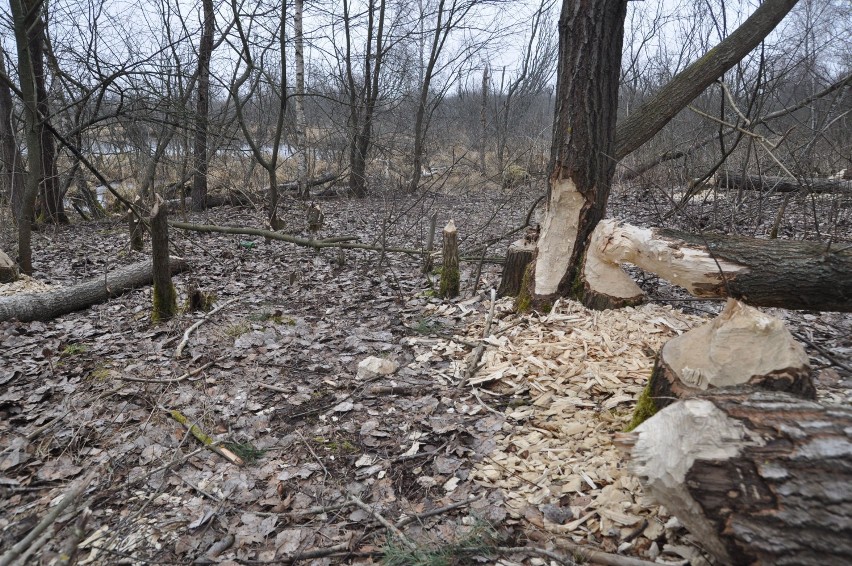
<point x="759" y="477"/>
<point x="782" y="184"/>
<point x="768" y="273"/>
<point x="742" y="346"/>
<point x="8" y="269"/>
<point x="164" y="294"/>
<point x="45" y="306"/>
<point x="518" y="258"/>
<point x="450" y="275"/>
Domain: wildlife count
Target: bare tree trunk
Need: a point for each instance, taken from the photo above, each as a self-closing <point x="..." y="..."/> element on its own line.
<point x="21" y="9"/>
<point x="202" y="108"/>
<point x="12" y="160"/>
<point x="590" y="39"/>
<point x="483" y="123"/>
<point x="301" y="134"/>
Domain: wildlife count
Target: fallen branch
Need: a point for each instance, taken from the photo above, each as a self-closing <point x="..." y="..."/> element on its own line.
<point x="72" y="496"/>
<point x="599" y="557"/>
<point x="476" y="355"/>
<point x="199" y="435"/>
<point x="191" y="329"/>
<point x="385" y="523"/>
<point x="187" y="375"/>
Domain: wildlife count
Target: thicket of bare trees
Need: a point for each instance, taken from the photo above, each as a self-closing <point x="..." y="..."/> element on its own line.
<point x="388" y="96"/>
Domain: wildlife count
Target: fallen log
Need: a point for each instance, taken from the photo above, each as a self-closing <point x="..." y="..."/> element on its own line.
<point x="321" y="180"/>
<point x="45" y="306"/>
<point x="727" y="180"/>
<point x="767" y="273"/>
<point x="759" y="477"/>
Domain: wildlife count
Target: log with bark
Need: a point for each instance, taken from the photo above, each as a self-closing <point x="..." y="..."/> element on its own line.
<point x="764" y="183"/>
<point x="759" y="477"/>
<point x="321" y="180"/>
<point x="768" y="273"/>
<point x="48" y="305"/>
<point x="8" y="268"/>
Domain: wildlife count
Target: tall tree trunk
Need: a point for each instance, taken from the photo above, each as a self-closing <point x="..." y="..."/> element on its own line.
<point x="10" y="155"/>
<point x="51" y="194"/>
<point x="581" y="169"/>
<point x="483" y="123"/>
<point x="202" y="108"/>
<point x="301" y="122"/>
<point x="20" y="10"/>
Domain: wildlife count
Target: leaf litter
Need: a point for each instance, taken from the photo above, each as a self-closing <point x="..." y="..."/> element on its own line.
<point x="340" y="376"/>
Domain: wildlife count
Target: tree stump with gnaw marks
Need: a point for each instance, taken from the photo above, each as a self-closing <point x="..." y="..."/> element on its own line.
<point x="759" y="477"/>
<point x="8" y="269"/>
<point x="450" y="274"/>
<point x="518" y="258"/>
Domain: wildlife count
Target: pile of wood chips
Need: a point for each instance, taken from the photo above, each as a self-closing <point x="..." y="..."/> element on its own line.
<point x="576" y="374"/>
<point x="24" y="284"/>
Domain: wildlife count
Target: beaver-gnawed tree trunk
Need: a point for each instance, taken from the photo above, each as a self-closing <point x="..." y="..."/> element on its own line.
<point x="586" y="145"/>
<point x="581" y="166"/>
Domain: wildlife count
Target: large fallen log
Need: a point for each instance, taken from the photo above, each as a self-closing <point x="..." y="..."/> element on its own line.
<point x="768" y="273"/>
<point x="764" y="183"/>
<point x="759" y="477"/>
<point x="48" y="305"/>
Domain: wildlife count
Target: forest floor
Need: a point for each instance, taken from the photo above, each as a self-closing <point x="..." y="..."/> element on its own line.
<point x="342" y="465"/>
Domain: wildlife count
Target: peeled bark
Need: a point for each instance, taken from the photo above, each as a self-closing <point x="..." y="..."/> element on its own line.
<point x="782" y="184"/>
<point x="759" y="477"/>
<point x="48" y="305"/>
<point x="768" y="273"/>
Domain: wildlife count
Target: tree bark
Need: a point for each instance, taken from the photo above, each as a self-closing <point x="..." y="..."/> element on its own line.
<point x="202" y="109"/>
<point x="766" y="273"/>
<point x="759" y="477"/>
<point x="450" y="275"/>
<point x="581" y="167"/>
<point x="49" y="305"/>
<point x="12" y="160"/>
<point x="653" y="115"/>
<point x="164" y="294"/>
<point x="728" y="180"/>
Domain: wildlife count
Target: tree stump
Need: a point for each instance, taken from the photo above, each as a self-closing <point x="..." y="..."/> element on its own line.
<point x="315" y="217"/>
<point x="430" y="244"/>
<point x="165" y="297"/>
<point x="759" y="477"/>
<point x="450" y="276"/>
<point x="518" y="257"/>
<point x="8" y="269"/>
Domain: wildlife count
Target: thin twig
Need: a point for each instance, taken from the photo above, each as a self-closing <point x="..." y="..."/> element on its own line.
<point x="439" y="511"/>
<point x="477" y="353"/>
<point x="187" y="375"/>
<point x="191" y="329"/>
<point x="385" y="523"/>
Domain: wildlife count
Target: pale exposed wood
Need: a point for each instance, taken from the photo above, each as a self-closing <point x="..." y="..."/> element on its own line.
<point x="777" y="273"/>
<point x="741" y="346"/>
<point x="50" y="304"/>
<point x="8" y="269"/>
<point x="558" y="235"/>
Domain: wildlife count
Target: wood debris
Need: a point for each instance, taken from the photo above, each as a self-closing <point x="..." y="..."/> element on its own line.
<point x="574" y="376"/>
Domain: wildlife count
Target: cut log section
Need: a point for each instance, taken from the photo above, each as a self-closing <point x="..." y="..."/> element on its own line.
<point x="759" y="477"/>
<point x="768" y="273"/>
<point x="45" y="306"/>
<point x="519" y="256"/>
<point x="742" y="346"/>
<point x="8" y="269"/>
<point x="782" y="184"/>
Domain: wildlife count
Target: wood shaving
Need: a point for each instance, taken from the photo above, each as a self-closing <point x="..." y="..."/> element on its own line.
<point x="579" y="373"/>
<point x="24" y="284"/>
